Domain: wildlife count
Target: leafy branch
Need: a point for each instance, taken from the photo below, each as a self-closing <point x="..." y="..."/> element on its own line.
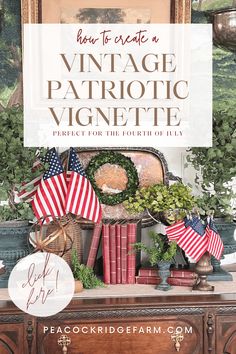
<point x="174" y="201"/>
<point x="16" y="164"/>
<point x="161" y="249"/>
<point x="83" y="273"/>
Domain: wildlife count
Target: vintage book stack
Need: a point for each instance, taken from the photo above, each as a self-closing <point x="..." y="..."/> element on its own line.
<point x="178" y="277"/>
<point x="119" y="261"/>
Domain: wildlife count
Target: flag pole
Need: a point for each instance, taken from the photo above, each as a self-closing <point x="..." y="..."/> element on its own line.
<point x="68" y="158"/>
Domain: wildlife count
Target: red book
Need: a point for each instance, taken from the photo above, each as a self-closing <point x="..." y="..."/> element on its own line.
<point x="172" y="281"/>
<point x="131" y="256"/>
<point x="148" y="272"/>
<point x="182" y="281"/>
<point x="94" y="245"/>
<point x="174" y="273"/>
<point x="147" y="280"/>
<point x="118" y="255"/>
<point x="112" y="243"/>
<point x="123" y="237"/>
<point x="106" y="253"/>
<point x="183" y="273"/>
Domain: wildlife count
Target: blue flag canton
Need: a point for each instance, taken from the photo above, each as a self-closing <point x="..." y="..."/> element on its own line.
<point x="196" y="224"/>
<point x="187" y="221"/>
<point x="74" y="163"/>
<point x="213" y="226"/>
<point x="55" y="165"/>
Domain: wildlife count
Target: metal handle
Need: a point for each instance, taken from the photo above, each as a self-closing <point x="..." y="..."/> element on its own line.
<point x="64" y="341"/>
<point x="177" y="338"/>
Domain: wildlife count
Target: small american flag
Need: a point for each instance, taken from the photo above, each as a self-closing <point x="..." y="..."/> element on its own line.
<point x="194" y="240"/>
<point x="49" y="198"/>
<point x="176" y="230"/>
<point x="28" y="190"/>
<point x="215" y="245"/>
<point x="81" y="198"/>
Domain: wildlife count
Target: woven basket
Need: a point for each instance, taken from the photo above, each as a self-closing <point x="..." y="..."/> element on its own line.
<point x="73" y="230"/>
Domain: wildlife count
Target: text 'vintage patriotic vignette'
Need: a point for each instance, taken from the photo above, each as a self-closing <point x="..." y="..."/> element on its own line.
<point x="141" y="84"/>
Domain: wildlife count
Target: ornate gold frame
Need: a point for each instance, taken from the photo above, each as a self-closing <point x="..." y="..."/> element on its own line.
<point x="180" y="11"/>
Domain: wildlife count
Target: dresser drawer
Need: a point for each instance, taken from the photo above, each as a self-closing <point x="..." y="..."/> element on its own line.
<point x="162" y="335"/>
<point x="11" y="338"/>
<point x="226" y="330"/>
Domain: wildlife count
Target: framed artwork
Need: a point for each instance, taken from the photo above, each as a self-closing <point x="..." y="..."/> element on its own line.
<point x="115" y="11"/>
<point x="10" y="62"/>
<point x="106" y="11"/>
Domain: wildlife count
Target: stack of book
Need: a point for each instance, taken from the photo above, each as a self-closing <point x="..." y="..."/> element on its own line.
<point x="178" y="277"/>
<point x="119" y="259"/>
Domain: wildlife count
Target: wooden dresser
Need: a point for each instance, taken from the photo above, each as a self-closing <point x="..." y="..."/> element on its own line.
<point x="193" y="324"/>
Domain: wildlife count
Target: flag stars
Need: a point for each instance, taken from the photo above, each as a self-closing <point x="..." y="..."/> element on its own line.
<point x="49" y="199"/>
<point x="81" y="198"/>
<point x="74" y="163"/>
<point x="55" y="166"/>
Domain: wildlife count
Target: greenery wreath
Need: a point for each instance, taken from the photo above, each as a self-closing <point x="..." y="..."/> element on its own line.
<point x="117" y="159"/>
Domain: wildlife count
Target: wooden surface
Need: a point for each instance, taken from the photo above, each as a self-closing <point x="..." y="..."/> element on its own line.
<point x="212" y="318"/>
<point x="141" y="290"/>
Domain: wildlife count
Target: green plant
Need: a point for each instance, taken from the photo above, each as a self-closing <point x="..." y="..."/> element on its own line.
<point x="217" y="164"/>
<point x="15" y="164"/>
<point x="174" y="201"/>
<point x="83" y="273"/>
<point x="161" y="249"/>
<point x="216" y="167"/>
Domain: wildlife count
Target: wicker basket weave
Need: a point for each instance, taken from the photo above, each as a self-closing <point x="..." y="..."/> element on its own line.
<point x="73" y="229"/>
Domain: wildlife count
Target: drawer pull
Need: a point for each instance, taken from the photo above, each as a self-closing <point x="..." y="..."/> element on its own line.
<point x="177" y="338"/>
<point x="64" y="341"/>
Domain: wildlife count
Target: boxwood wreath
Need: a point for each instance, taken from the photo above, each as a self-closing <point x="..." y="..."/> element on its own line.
<point x="114" y="158"/>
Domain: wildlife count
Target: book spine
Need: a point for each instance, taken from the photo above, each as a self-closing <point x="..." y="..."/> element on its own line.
<point x="112" y="243"/>
<point x="147" y="280"/>
<point x="123" y="231"/>
<point x="106" y="253"/>
<point x="181" y="281"/>
<point x="94" y="245"/>
<point x="118" y="254"/>
<point x="172" y="281"/>
<point x="131" y="257"/>
<point x="148" y="272"/>
<point x="174" y="273"/>
<point x="186" y="274"/>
